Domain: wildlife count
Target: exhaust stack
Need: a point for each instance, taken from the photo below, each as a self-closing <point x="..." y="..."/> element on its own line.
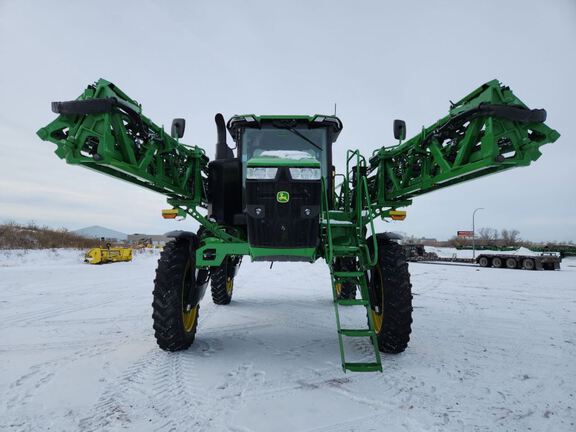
<point x="222" y="149"/>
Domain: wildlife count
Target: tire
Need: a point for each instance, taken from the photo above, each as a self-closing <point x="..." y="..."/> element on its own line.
<point x="177" y="281"/>
<point x="484" y="262"/>
<point x="83" y="107"/>
<point x="346" y="290"/>
<point x="391" y="297"/>
<point x="511" y="263"/>
<point x="223" y="280"/>
<point x="528" y="264"/>
<point x="497" y="262"/>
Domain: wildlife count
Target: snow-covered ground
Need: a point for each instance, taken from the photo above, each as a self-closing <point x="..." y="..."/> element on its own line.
<point x="491" y="350"/>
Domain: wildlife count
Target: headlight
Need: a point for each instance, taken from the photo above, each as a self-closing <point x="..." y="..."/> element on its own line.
<point x="261" y="173"/>
<point x="305" y="173"/>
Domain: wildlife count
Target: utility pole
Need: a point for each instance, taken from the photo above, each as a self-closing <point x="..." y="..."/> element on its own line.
<point x="474" y="232"/>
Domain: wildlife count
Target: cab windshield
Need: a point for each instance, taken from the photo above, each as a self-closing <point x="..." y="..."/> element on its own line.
<point x="270" y="140"/>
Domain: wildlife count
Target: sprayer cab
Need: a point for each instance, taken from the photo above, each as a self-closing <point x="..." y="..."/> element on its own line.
<point x="287" y="137"/>
<point x="272" y="185"/>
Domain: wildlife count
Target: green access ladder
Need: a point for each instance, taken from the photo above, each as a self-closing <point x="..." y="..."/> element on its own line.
<point x="344" y="237"/>
<point x="358" y="278"/>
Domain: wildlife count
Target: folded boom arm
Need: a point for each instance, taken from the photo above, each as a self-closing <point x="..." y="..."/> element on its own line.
<point x="488" y="131"/>
<point x="105" y="130"/>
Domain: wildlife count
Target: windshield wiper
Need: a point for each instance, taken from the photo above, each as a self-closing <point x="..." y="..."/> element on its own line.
<point x="295" y="132"/>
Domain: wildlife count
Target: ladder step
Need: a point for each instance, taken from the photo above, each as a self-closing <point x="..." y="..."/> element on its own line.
<point x="363" y="367"/>
<point x="339" y="214"/>
<point x="357" y="332"/>
<point x="348" y="274"/>
<point x="338" y="250"/>
<point x="352" y="302"/>
<point x="339" y="223"/>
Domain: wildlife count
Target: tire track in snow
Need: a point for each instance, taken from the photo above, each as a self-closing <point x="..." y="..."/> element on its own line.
<point x="352" y="387"/>
<point x="90" y="321"/>
<point x="167" y="388"/>
<point x="26" y="318"/>
<point x="350" y="425"/>
<point x="180" y="400"/>
<point x="23" y="390"/>
<point x="112" y="407"/>
<point x="165" y="385"/>
<point x="65" y="345"/>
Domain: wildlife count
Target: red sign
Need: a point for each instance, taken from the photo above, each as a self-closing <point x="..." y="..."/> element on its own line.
<point x="465" y="234"/>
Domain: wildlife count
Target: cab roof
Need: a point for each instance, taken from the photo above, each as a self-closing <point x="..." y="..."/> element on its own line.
<point x="317" y="120"/>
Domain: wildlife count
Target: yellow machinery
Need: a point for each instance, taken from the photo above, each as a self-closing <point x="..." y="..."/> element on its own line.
<point x="106" y="255"/>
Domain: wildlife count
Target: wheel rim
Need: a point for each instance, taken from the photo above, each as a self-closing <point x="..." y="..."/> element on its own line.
<point x="189" y="318"/>
<point x="229" y="285"/>
<point x="189" y="313"/>
<point x="378" y="309"/>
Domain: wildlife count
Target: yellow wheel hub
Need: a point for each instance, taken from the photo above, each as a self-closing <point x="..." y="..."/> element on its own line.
<point x="378" y="309"/>
<point x="189" y="318"/>
<point x="229" y="286"/>
<point x="189" y="313"/>
<point x="377" y="319"/>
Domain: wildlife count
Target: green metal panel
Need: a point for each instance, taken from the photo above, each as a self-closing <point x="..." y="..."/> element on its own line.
<point x="213" y="251"/>
<point x="217" y="250"/>
<point x="309" y="253"/>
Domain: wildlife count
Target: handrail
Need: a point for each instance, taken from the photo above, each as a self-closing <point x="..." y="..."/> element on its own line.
<point x="325" y="214"/>
<point x="350" y="154"/>
<point x="342" y="188"/>
<point x="362" y="194"/>
<point x="372" y="261"/>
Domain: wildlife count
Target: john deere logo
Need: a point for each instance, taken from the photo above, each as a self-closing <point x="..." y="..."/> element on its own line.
<point x="282" y="197"/>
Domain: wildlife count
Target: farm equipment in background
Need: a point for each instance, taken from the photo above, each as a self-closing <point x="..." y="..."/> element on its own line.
<point x="417" y="252"/>
<point x="144" y="243"/>
<point x="511" y="259"/>
<point x="107" y="255"/>
<point x="544" y="261"/>
<point x="278" y="197"/>
<point x="564" y="250"/>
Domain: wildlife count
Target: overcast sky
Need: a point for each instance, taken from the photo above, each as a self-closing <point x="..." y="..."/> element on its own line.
<point x="378" y="60"/>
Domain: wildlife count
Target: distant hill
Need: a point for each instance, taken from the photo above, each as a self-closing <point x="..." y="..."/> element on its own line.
<point x="97" y="231"/>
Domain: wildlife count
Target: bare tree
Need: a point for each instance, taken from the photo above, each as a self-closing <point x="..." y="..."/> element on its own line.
<point x="514" y="237"/>
<point x="510" y="237"/>
<point x="487" y="236"/>
<point x="457" y="242"/>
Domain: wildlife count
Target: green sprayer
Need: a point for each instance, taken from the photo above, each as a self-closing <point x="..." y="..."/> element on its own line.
<point x="277" y="197"/>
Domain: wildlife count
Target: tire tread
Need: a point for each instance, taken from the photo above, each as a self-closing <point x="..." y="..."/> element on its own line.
<point x="397" y="321"/>
<point x="167" y="298"/>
